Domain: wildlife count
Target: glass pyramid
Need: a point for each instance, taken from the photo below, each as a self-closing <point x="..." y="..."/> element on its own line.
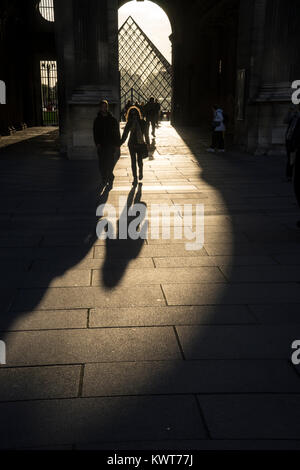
<point x="144" y="71"/>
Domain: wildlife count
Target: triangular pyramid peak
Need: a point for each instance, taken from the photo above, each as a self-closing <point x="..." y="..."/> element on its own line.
<point x="129" y="21"/>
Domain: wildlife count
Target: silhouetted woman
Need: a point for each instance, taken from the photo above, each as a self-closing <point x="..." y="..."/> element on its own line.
<point x="137" y="128"/>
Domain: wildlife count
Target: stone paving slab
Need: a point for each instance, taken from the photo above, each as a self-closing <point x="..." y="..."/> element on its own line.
<point x="225" y="261"/>
<point x="89" y="264"/>
<point x="252" y="417"/>
<point x="287" y="259"/>
<point x="292" y="248"/>
<point x="151" y="251"/>
<point x="15" y="264"/>
<point x="189" y="377"/>
<point x="86" y="297"/>
<point x="44" y="320"/>
<point x="24" y="135"/>
<point x="8" y="253"/>
<point x="237" y="342"/>
<point x="136" y="277"/>
<point x="13" y="240"/>
<point x="72" y="278"/>
<point x="201" y="445"/>
<point x="12" y="279"/>
<point x="6" y="298"/>
<point x="262" y="273"/>
<point x="89" y="420"/>
<point x="232" y="294"/>
<point x="155" y="316"/>
<point x="231" y="248"/>
<point x="276" y="314"/>
<point x="39" y="383"/>
<point x="55" y="347"/>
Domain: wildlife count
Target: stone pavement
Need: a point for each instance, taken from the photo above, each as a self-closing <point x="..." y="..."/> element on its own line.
<point x="124" y="344"/>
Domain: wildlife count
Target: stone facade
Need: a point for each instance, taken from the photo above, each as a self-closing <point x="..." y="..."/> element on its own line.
<point x="268" y="50"/>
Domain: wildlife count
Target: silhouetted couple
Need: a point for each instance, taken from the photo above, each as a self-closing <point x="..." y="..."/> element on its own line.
<point x="108" y="141"/>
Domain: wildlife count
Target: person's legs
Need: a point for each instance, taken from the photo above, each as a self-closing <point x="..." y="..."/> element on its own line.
<point x="133" y="156"/>
<point x="147" y="127"/>
<point x="141" y="167"/>
<point x="102" y="158"/>
<point x="153" y="127"/>
<point x="220" y="141"/>
<point x="114" y="156"/>
<point x="214" y="140"/>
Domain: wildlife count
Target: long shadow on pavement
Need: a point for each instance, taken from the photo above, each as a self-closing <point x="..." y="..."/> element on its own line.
<point x="230" y="380"/>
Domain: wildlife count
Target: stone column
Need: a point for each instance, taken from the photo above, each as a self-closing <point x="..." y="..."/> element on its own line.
<point x="268" y="50"/>
<point x="87" y="46"/>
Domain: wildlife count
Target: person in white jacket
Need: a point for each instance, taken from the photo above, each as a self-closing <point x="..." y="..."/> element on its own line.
<point x="218" y="130"/>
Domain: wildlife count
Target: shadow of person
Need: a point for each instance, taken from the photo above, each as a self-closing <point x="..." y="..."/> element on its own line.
<point x="47" y="226"/>
<point x="151" y="150"/>
<point x="129" y="239"/>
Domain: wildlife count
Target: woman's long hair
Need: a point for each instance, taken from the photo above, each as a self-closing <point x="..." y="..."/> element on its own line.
<point x="130" y="110"/>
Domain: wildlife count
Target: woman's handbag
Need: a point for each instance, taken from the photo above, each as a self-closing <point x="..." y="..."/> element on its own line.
<point x="142" y="150"/>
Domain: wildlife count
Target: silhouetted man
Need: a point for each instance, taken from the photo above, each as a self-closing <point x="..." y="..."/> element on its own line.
<point x="158" y="108"/>
<point x="107" y="139"/>
<point x="150" y="111"/>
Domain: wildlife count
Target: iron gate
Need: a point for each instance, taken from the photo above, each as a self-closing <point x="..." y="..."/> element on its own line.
<point x="49" y="92"/>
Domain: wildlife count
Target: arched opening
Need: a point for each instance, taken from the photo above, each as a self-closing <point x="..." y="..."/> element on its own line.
<point x="145" y="55"/>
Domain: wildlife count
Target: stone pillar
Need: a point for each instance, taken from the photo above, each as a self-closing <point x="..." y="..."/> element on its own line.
<point x="268" y="51"/>
<point x="87" y="46"/>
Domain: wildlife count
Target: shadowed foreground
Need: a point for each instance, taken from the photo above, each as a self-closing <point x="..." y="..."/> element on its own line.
<point x="132" y="344"/>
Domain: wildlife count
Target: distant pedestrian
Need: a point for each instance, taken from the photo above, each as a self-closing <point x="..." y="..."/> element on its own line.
<point x="158" y="109"/>
<point x="218" y="130"/>
<point x="142" y="109"/>
<point x="150" y="110"/>
<point x="291" y="120"/>
<point x="138" y="140"/>
<point x="107" y="140"/>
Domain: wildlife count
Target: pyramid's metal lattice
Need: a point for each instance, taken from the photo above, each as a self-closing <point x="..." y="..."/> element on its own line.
<point x="144" y="71"/>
